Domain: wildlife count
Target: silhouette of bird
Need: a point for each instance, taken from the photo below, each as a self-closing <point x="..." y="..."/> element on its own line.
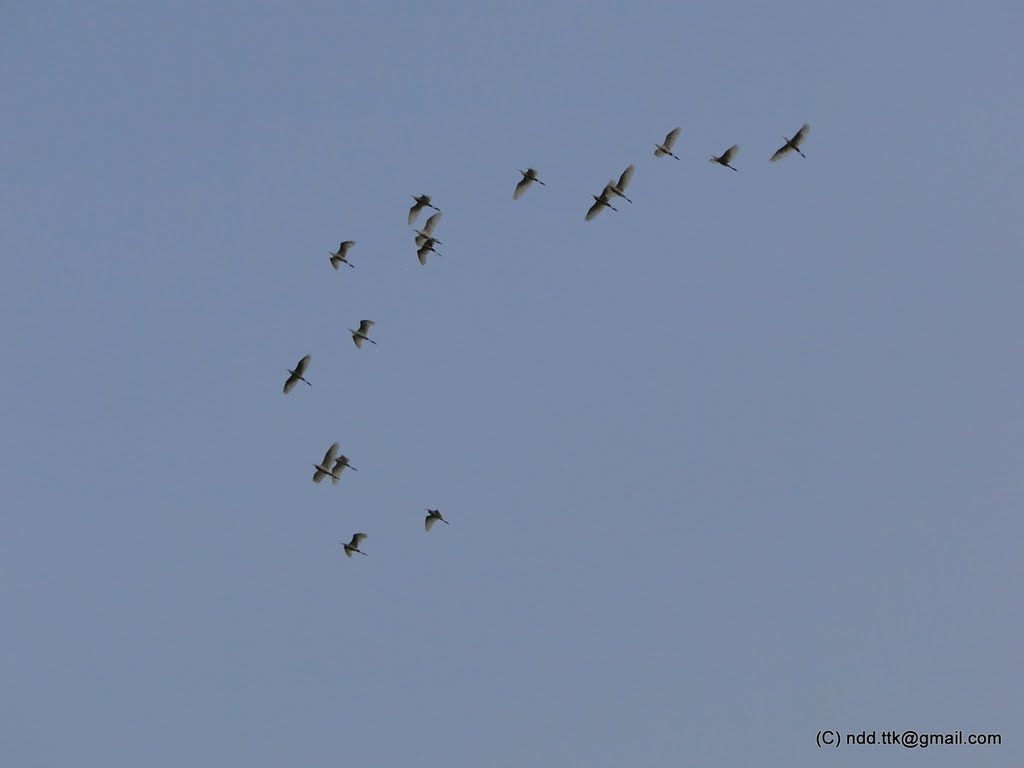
<point x="324" y="468"/>
<point x="529" y="176"/>
<point x="426" y="246"/>
<point x="296" y="375"/>
<point x="422" y="201"/>
<point x="360" y="336"/>
<point x="353" y="546"/>
<point x="339" y="466"/>
<point x="427" y="233"/>
<point x="433" y="515"/>
<point x="665" y="148"/>
<point x="341" y="257"/>
<point x="792" y="145"/>
<point x="600" y="201"/>
<point x="726" y="156"/>
<point x="620" y="188"/>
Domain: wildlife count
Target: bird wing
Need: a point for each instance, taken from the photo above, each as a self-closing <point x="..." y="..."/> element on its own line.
<point x="303" y="364"/>
<point x="421" y="254"/>
<point x="801" y="134"/>
<point x="624" y="178"/>
<point x="782" y="151"/>
<point x="357" y="540"/>
<point x="364" y="326"/>
<point x="670" y="138"/>
<point x="521" y="187"/>
<point x="428" y="228"/>
<point x="343" y="248"/>
<point x="358" y="341"/>
<point x="290" y="384"/>
<point x="329" y="456"/>
<point x="319" y="475"/>
<point x="414" y="211"/>
<point x="594" y="209"/>
<point x="335" y="260"/>
<point x="730" y="153"/>
<point x="429" y="523"/>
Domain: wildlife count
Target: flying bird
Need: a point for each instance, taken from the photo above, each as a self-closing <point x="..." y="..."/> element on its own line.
<point x="427" y="233"/>
<point x="353" y="546"/>
<point x="665" y="148"/>
<point x="339" y="466"/>
<point x="422" y="201"/>
<point x="324" y="469"/>
<point x="296" y="375"/>
<point x="341" y="257"/>
<point x="726" y="156"/>
<point x="360" y="336"/>
<point x="792" y="145"/>
<point x="599" y="203"/>
<point x="529" y="176"/>
<point x="426" y="245"/>
<point x="620" y="188"/>
<point x="433" y="515"/>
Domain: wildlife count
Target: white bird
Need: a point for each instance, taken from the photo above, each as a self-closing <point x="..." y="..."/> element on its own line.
<point x="792" y="145"/>
<point x="341" y="256"/>
<point x="353" y="546"/>
<point x="433" y="515"/>
<point x="296" y="375"/>
<point x="726" y="156"/>
<point x="324" y="469"/>
<point x="620" y="188"/>
<point x="426" y="246"/>
<point x="665" y="148"/>
<point x="360" y="336"/>
<point x="599" y="203"/>
<point x="422" y="201"/>
<point x="339" y="466"/>
<point x="529" y="176"/>
<point x="427" y="233"/>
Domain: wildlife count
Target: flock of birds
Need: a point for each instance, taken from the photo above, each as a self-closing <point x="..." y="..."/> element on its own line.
<point x="334" y="463"/>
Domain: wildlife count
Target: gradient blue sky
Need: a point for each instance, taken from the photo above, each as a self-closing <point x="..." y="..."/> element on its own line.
<point x="736" y="464"/>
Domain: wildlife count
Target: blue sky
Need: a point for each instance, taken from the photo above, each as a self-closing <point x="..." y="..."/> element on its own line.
<point x="736" y="464"/>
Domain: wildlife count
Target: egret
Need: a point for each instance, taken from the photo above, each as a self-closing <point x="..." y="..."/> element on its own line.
<point x="360" y="336"/>
<point x="529" y="176"/>
<point x="339" y="466"/>
<point x="620" y="188"/>
<point x="427" y="233"/>
<point x="296" y="375"/>
<point x="353" y="546"/>
<point x="665" y="148"/>
<point x="792" y="145"/>
<point x="726" y="156"/>
<point x="341" y="256"/>
<point x="599" y="203"/>
<point x="433" y="515"/>
<point x="422" y="201"/>
<point x="324" y="469"/>
<point x="426" y="246"/>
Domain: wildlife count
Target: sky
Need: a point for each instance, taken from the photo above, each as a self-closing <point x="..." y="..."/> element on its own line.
<point x="734" y="465"/>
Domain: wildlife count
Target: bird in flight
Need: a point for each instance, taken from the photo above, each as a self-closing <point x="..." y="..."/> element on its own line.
<point x="426" y="246"/>
<point x="360" y="336"/>
<point x="599" y="203"/>
<point x="620" y="188"/>
<point x="427" y="233"/>
<point x="433" y="515"/>
<point x="324" y="468"/>
<point x="665" y="148"/>
<point x="422" y="201"/>
<point x="792" y="145"/>
<point x="341" y="257"/>
<point x="339" y="466"/>
<point x="353" y="546"/>
<point x="726" y="156"/>
<point x="529" y="176"/>
<point x="296" y="375"/>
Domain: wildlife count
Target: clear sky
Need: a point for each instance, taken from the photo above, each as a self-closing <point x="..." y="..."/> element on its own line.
<point x="734" y="465"/>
